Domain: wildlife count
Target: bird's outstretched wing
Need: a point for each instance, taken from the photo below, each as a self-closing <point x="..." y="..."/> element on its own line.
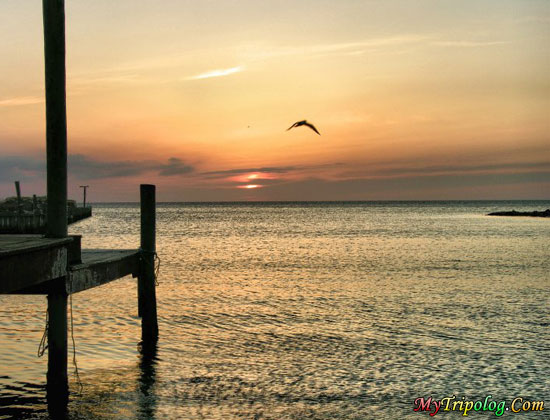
<point x="292" y="126"/>
<point x="312" y="127"/>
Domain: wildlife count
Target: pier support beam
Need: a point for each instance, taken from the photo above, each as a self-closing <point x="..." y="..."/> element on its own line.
<point x="56" y="227"/>
<point x="147" y="299"/>
<point x="58" y="384"/>
<point x="56" y="117"/>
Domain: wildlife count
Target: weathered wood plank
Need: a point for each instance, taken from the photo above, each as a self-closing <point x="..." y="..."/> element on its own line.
<point x="18" y="244"/>
<point x="97" y="267"/>
<point x="29" y="260"/>
<point x="102" y="266"/>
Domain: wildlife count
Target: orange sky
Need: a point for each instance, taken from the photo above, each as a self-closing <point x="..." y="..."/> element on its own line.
<point x="414" y="100"/>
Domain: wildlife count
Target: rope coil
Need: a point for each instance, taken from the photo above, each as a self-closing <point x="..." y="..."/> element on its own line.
<point x="76" y="373"/>
<point x="44" y="340"/>
<point x="42" y="347"/>
<point x="156" y="263"/>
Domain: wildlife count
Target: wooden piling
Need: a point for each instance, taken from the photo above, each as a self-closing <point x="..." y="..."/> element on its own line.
<point x="56" y="225"/>
<point x="57" y="386"/>
<point x="84" y="187"/>
<point x="147" y="300"/>
<point x="20" y="226"/>
<point x="56" y="117"/>
<point x="18" y="192"/>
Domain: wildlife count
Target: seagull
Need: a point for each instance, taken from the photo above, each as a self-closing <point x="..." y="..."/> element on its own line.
<point x="304" y="122"/>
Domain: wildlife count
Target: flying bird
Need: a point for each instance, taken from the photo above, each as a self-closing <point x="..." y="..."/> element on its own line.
<point x="304" y="122"/>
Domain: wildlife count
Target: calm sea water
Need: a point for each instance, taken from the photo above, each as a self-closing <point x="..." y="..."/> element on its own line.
<point x="303" y="311"/>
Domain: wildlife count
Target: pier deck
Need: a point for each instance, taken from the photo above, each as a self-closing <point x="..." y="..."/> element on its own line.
<point x="32" y="264"/>
<point x="26" y="260"/>
<point x="100" y="266"/>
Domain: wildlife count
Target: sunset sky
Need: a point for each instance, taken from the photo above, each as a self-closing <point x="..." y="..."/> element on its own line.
<point x="427" y="99"/>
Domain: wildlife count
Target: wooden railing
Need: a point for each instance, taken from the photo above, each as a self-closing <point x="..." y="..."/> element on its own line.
<point x="36" y="223"/>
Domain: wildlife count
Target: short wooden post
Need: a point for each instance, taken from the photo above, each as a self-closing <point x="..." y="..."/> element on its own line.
<point x="20" y="226"/>
<point x="18" y="192"/>
<point x="57" y="385"/>
<point x="147" y="299"/>
<point x="84" y="187"/>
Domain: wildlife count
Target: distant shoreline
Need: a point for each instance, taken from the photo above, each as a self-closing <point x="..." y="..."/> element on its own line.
<point x="545" y="213"/>
<point x="269" y="202"/>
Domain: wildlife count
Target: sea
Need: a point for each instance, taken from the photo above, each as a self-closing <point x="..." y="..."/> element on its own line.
<point x="304" y="310"/>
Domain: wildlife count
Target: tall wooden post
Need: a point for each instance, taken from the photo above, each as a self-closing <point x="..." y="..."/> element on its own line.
<point x="57" y="381"/>
<point x="56" y="150"/>
<point x="56" y="117"/>
<point x="147" y="300"/>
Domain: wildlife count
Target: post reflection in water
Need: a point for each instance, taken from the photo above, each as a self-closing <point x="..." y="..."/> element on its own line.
<point x="147" y="399"/>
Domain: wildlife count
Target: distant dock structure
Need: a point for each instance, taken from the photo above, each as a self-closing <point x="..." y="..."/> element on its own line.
<point x="54" y="264"/>
<point x="27" y="215"/>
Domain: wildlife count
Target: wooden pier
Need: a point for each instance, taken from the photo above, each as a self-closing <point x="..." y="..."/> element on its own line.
<point x="32" y="264"/>
<point x="58" y="267"/>
<point x="55" y="264"/>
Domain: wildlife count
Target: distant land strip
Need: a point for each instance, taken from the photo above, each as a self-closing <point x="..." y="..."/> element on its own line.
<point x="545" y="213"/>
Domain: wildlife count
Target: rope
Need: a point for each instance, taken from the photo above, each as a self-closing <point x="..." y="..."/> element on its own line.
<point x="157" y="269"/>
<point x="44" y="341"/>
<point x="76" y="373"/>
<point x="156" y="264"/>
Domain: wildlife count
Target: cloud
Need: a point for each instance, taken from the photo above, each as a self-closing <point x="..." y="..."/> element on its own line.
<point x="13" y="168"/>
<point x="216" y="73"/>
<point x="395" y="42"/>
<point x="103" y="80"/>
<point x="84" y="167"/>
<point x="356" y="47"/>
<point x="239" y="171"/>
<point x="268" y="169"/>
<point x="420" y="187"/>
<point x="22" y="100"/>
<point x="175" y="166"/>
<point x="468" y="44"/>
<point x="434" y="170"/>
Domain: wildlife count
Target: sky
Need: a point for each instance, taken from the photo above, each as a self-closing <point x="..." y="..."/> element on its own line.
<point x="414" y="100"/>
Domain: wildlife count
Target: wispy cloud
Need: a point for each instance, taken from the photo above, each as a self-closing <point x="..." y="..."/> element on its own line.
<point x="85" y="167"/>
<point x="21" y="168"/>
<point x="267" y="170"/>
<point x="468" y="44"/>
<point x="175" y="166"/>
<point x="394" y="43"/>
<point x="453" y="169"/>
<point x="240" y="171"/>
<point x="217" y="73"/>
<point x="22" y="100"/>
<point x="355" y="47"/>
<point x="79" y="82"/>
